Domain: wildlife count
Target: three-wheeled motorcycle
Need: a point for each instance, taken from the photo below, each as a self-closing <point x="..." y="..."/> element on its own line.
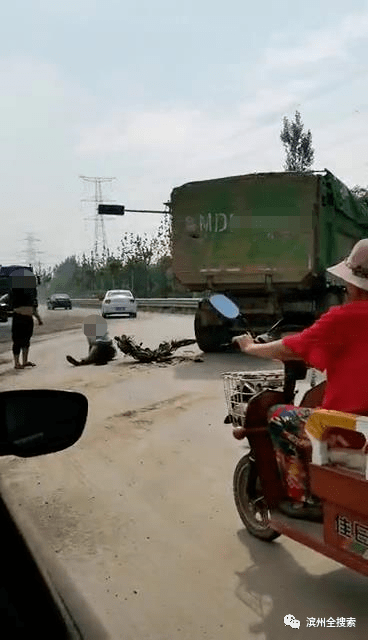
<point x="338" y="471"/>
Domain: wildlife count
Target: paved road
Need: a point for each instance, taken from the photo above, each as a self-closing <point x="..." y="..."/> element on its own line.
<point x="140" y="511"/>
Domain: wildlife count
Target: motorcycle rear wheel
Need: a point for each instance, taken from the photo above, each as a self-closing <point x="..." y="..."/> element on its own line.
<point x="250" y="501"/>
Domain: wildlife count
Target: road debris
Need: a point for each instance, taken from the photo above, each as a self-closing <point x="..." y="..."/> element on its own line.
<point x="163" y="353"/>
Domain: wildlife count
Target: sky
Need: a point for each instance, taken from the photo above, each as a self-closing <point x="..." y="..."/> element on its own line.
<point x="156" y="95"/>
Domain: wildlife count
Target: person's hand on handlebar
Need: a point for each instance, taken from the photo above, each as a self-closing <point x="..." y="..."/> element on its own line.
<point x="274" y="350"/>
<point x="243" y="342"/>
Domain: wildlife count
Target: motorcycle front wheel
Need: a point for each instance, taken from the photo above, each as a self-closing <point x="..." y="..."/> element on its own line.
<point x="250" y="501"/>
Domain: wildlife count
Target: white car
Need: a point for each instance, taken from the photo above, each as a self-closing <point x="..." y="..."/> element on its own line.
<point x="119" y="302"/>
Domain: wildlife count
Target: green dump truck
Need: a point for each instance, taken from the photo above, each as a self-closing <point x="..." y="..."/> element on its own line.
<point x="264" y="240"/>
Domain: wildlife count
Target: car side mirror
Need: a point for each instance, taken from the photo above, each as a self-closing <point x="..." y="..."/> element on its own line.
<point x="34" y="422"/>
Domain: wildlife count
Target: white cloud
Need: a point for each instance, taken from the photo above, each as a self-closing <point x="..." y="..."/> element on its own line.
<point x="344" y="149"/>
<point x="322" y="44"/>
<point x="35" y="95"/>
<point x="174" y="130"/>
<point x="195" y="139"/>
<point x="156" y="129"/>
<point x="162" y="148"/>
<point x="23" y="79"/>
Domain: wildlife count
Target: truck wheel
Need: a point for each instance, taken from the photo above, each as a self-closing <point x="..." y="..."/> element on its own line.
<point x="210" y="338"/>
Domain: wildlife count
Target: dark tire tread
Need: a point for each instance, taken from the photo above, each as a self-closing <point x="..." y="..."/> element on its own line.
<point x="246" y="487"/>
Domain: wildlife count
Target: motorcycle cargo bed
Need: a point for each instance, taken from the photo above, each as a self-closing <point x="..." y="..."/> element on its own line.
<point x="340" y="486"/>
<point x="311" y="534"/>
<point x="343" y="535"/>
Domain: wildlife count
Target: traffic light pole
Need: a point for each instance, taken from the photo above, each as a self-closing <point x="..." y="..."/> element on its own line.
<point x="145" y="211"/>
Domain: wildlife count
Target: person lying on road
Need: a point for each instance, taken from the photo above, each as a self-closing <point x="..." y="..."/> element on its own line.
<point x="101" y="349"/>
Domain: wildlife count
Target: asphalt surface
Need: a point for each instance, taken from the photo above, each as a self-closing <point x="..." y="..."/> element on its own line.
<point x="140" y="511"/>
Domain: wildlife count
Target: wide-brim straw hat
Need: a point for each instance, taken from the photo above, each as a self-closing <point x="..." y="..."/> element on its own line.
<point x="354" y="269"/>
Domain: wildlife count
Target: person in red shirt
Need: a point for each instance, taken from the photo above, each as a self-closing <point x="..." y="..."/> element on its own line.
<point x="336" y="344"/>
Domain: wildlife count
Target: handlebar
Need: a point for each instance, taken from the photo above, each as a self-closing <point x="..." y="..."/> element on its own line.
<point x="261" y="339"/>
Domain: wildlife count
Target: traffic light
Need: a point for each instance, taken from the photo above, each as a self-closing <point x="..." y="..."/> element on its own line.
<point x="111" y="209"/>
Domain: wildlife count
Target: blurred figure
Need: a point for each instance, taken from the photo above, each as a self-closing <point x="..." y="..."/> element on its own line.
<point x="101" y="349"/>
<point x="23" y="299"/>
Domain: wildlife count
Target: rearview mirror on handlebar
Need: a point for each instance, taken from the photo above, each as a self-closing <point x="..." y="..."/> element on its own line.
<point x="223" y="305"/>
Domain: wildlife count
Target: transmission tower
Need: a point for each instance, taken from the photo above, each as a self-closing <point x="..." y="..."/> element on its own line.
<point x="100" y="241"/>
<point x="30" y="252"/>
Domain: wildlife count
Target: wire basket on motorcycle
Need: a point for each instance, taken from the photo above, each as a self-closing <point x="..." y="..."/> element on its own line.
<point x="240" y="386"/>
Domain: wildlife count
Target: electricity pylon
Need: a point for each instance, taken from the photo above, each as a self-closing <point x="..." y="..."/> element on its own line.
<point x="30" y="252"/>
<point x="100" y="241"/>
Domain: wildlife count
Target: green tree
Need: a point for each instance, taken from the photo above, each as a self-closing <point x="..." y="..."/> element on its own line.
<point x="63" y="279"/>
<point x="137" y="253"/>
<point x="163" y="243"/>
<point x="361" y="193"/>
<point x="297" y="144"/>
<point x="113" y="270"/>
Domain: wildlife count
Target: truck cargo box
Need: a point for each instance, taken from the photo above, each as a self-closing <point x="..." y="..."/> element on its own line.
<point x="264" y="239"/>
<point x="242" y="231"/>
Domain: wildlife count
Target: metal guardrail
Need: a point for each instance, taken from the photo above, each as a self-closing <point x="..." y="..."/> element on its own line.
<point x="175" y="304"/>
<point x="187" y="303"/>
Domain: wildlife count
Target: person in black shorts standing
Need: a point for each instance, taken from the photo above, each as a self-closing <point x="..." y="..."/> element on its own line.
<point x="23" y="299"/>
